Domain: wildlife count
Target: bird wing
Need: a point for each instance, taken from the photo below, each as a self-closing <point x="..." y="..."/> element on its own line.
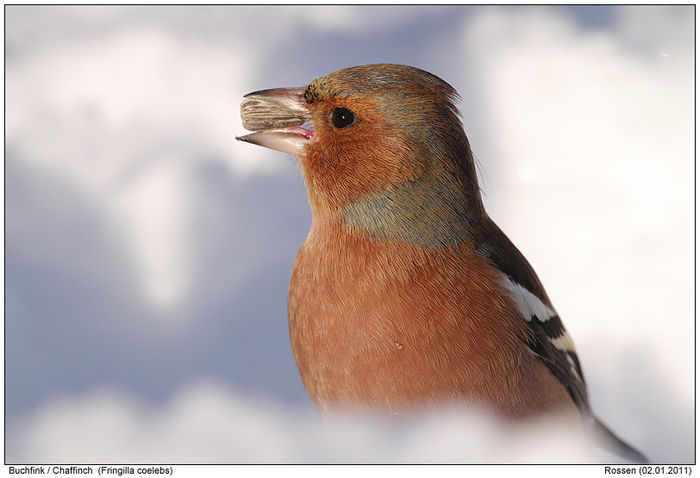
<point x="550" y="342"/>
<point x="547" y="338"/>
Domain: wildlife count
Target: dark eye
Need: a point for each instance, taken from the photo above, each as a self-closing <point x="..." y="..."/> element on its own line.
<point x="342" y="117"/>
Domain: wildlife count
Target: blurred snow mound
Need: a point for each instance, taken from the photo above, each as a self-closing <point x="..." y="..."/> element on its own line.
<point x="208" y="422"/>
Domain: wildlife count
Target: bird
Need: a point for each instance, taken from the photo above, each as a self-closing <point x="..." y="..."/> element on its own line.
<point x="405" y="293"/>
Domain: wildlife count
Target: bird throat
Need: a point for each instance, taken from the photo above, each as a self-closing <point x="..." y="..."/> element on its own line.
<point x="430" y="211"/>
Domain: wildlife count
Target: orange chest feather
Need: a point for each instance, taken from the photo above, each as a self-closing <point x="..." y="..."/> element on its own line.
<point x="389" y="324"/>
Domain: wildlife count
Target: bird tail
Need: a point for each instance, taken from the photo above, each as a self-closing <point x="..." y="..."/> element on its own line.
<point x="615" y="444"/>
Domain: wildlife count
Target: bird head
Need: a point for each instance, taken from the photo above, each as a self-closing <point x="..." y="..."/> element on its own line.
<point x="382" y="149"/>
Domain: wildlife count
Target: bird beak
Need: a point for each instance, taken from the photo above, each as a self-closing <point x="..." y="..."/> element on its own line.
<point x="275" y="117"/>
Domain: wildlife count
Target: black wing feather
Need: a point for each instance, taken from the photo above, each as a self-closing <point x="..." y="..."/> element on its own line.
<point x="563" y="362"/>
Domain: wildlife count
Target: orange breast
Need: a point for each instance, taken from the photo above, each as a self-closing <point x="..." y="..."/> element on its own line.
<point x="392" y="326"/>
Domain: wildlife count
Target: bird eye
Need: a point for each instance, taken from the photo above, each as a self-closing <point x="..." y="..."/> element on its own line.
<point x="342" y="117"/>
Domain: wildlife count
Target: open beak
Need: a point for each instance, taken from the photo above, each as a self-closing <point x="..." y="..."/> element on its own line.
<point x="276" y="117"/>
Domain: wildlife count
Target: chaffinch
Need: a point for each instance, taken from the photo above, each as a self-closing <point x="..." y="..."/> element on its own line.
<point x="405" y="293"/>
